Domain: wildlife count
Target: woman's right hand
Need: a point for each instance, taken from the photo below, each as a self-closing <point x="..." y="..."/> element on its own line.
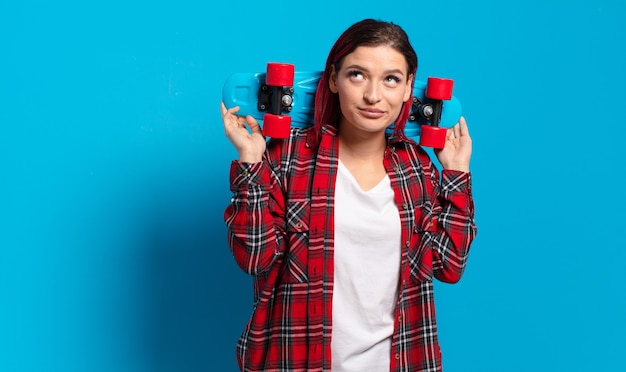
<point x="249" y="144"/>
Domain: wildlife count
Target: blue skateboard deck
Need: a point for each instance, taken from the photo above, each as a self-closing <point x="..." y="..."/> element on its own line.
<point x="242" y="89"/>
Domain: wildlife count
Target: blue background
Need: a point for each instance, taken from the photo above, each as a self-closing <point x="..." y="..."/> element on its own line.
<point x="114" y="177"/>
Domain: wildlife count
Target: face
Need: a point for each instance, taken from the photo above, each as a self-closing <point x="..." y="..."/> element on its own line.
<point x="372" y="84"/>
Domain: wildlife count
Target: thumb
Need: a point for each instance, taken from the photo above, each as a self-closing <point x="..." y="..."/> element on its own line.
<point x="254" y="125"/>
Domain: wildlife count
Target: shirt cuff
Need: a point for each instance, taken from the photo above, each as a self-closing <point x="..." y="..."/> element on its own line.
<point x="456" y="181"/>
<point x="244" y="175"/>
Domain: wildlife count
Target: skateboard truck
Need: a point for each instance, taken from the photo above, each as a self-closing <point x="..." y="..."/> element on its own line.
<point x="276" y="97"/>
<point x="437" y="91"/>
<point x="266" y="93"/>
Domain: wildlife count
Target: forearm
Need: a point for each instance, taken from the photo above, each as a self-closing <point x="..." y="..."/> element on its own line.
<point x="253" y="217"/>
<point x="455" y="228"/>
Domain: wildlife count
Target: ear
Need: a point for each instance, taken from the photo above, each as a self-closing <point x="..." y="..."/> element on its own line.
<point x="408" y="89"/>
<point x="332" y="79"/>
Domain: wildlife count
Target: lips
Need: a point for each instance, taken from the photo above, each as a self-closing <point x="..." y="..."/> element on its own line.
<point x="372" y="113"/>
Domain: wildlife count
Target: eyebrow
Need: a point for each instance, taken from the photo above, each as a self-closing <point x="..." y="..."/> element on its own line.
<point x="392" y="71"/>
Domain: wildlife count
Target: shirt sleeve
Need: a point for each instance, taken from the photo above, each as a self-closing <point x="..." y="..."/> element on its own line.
<point x="455" y="226"/>
<point x="254" y="217"/>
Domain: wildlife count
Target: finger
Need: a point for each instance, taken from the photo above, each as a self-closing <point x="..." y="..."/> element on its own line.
<point x="453" y="131"/>
<point x="254" y="125"/>
<point x="464" y="131"/>
<point x="233" y="110"/>
<point x="450" y="134"/>
<point x="241" y="121"/>
<point x="225" y="111"/>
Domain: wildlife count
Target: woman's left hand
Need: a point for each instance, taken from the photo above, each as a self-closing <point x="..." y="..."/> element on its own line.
<point x="457" y="151"/>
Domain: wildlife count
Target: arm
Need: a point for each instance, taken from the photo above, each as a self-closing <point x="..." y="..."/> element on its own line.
<point x="455" y="226"/>
<point x="255" y="216"/>
<point x="454" y="206"/>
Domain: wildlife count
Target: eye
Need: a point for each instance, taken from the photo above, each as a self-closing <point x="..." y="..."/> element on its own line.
<point x="393" y="80"/>
<point x="355" y="75"/>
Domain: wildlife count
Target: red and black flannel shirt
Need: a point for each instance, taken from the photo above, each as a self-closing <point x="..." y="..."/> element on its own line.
<point x="280" y="230"/>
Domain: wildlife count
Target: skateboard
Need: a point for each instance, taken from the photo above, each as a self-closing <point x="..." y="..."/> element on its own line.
<point x="281" y="98"/>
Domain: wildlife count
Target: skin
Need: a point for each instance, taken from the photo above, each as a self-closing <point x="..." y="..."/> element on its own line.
<point x="249" y="145"/>
<point x="372" y="84"/>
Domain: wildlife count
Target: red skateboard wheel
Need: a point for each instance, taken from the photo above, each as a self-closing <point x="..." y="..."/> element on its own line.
<point x="276" y="126"/>
<point x="438" y="88"/>
<point x="434" y="137"/>
<point x="279" y="74"/>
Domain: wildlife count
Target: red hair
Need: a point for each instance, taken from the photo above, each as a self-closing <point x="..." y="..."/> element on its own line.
<point x="367" y="32"/>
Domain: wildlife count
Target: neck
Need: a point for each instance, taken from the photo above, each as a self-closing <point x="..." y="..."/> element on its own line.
<point x="370" y="146"/>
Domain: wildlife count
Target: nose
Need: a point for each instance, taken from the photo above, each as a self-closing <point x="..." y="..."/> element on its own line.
<point x="371" y="93"/>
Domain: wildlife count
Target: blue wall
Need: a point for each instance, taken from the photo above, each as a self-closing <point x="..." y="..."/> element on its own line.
<point x="114" y="177"/>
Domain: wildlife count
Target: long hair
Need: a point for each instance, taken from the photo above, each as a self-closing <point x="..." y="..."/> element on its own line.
<point x="368" y="32"/>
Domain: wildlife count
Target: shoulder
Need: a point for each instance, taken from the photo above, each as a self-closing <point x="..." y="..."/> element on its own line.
<point x="283" y="152"/>
<point x="416" y="158"/>
<point x="410" y="150"/>
<point x="297" y="140"/>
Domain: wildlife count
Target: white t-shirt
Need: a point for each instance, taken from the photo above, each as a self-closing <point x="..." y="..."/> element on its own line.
<point x="367" y="267"/>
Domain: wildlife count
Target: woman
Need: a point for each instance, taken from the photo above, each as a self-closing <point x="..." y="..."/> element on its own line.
<point x="344" y="227"/>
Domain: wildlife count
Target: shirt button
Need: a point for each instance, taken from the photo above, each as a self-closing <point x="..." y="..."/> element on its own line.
<point x="407" y="243"/>
<point x="405" y="205"/>
<point x="397" y="355"/>
<point x="244" y="173"/>
<point x="395" y="168"/>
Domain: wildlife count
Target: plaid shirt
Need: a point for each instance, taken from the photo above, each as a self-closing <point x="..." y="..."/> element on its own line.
<point x="280" y="230"/>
